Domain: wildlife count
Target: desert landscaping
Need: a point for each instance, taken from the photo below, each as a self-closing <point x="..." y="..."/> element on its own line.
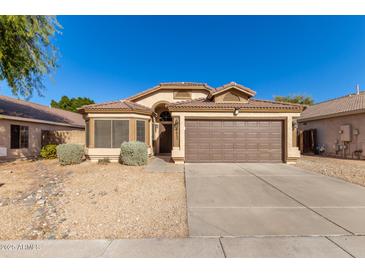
<point x="349" y="170"/>
<point x="43" y="200"/>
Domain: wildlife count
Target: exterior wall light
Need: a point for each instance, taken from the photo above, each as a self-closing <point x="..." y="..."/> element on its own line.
<point x="236" y="111"/>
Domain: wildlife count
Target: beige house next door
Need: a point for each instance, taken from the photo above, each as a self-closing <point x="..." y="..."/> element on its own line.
<point x="233" y="141"/>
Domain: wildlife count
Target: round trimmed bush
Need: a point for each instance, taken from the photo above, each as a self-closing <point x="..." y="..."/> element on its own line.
<point x="49" y="151"/>
<point x="133" y="153"/>
<point x="69" y="154"/>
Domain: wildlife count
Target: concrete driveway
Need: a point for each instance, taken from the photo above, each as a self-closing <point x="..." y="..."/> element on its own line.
<point x="254" y="201"/>
<point x="270" y="199"/>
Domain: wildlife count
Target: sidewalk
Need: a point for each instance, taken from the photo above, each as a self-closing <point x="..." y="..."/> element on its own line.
<point x="244" y="247"/>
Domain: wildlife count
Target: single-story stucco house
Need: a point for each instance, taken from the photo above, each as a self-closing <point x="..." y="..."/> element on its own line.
<point x="335" y="127"/>
<point x="194" y="122"/>
<point x="24" y="126"/>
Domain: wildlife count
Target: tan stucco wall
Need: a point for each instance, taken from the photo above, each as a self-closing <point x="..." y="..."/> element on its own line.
<point x="167" y="96"/>
<point x="291" y="152"/>
<point x="220" y="97"/>
<point x="34" y="142"/>
<point x="328" y="132"/>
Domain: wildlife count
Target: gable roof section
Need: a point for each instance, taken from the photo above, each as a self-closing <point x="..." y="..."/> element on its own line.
<point x="354" y="103"/>
<point x="172" y="85"/>
<point x="115" y="106"/>
<point x="17" y="108"/>
<point x="251" y="106"/>
<point x="234" y="85"/>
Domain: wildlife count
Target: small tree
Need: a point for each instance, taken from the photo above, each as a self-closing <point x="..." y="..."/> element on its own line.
<point x="71" y="104"/>
<point x="296" y="99"/>
<point x="27" y="52"/>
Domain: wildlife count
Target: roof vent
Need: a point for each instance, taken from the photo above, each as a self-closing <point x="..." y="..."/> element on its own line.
<point x="357" y="89"/>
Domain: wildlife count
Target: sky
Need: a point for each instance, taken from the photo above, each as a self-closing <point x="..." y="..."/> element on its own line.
<point x="108" y="58"/>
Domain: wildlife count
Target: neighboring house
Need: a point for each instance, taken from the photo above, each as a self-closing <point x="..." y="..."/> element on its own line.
<point x="23" y="125"/>
<point x="336" y="127"/>
<point x="194" y="122"/>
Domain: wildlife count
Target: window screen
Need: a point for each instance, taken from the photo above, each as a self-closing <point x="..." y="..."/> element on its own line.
<point x="19" y="136"/>
<point x="120" y="132"/>
<point x="103" y="138"/>
<point x="141" y="131"/>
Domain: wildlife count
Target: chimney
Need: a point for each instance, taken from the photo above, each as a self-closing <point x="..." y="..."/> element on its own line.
<point x="357" y="89"/>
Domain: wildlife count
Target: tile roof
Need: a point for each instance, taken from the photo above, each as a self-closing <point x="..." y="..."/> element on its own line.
<point x="127" y="104"/>
<point x="252" y="104"/>
<point x="116" y="105"/>
<point x="337" y="106"/>
<point x="184" y="84"/>
<point x="24" y="109"/>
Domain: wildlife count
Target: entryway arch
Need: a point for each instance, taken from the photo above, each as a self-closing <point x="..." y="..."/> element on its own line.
<point x="163" y="139"/>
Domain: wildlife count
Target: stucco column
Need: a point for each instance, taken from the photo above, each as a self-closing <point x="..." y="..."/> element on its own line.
<point x="293" y="151"/>
<point x="178" y="152"/>
<point x="176" y="132"/>
<point x="289" y="127"/>
<point x="91" y="133"/>
<point x="295" y="133"/>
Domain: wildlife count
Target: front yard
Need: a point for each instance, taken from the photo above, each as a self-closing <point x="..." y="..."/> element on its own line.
<point x="349" y="170"/>
<point x="42" y="200"/>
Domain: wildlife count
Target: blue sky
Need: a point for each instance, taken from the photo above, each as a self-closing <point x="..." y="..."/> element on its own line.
<point x="112" y="57"/>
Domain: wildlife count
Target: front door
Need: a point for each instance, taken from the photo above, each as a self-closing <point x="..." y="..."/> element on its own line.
<point x="165" y="138"/>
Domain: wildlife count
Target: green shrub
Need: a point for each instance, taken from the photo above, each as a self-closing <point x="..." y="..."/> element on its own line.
<point x="133" y="153"/>
<point x="69" y="154"/>
<point x="49" y="151"/>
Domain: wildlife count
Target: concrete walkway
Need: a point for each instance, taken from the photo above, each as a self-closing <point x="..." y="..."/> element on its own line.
<point x="258" y="247"/>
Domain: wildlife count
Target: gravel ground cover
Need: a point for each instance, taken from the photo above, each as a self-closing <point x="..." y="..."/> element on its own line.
<point x="349" y="170"/>
<point x="43" y="200"/>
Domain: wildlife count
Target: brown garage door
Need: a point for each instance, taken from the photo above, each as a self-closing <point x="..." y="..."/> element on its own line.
<point x="220" y="141"/>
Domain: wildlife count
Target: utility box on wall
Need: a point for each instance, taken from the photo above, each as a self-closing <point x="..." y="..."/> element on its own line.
<point x="345" y="133"/>
<point x="3" y="151"/>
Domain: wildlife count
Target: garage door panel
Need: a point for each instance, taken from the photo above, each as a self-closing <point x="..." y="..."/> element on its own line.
<point x="229" y="157"/>
<point x="226" y="124"/>
<point x="241" y="123"/>
<point x="275" y="146"/>
<point x="233" y="141"/>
